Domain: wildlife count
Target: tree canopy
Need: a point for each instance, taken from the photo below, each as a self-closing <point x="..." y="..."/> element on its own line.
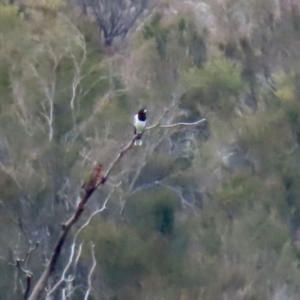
<point x="207" y="208"/>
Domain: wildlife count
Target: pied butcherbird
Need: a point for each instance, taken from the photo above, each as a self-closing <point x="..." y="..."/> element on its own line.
<point x="139" y="123"/>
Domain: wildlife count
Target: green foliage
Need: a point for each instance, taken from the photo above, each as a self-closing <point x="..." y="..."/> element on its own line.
<point x="234" y="279"/>
<point x="269" y="136"/>
<point x="9" y="17"/>
<point x="233" y="193"/>
<point x="119" y="250"/>
<point x="296" y="21"/>
<point x="149" y="29"/>
<point x="163" y="52"/>
<point x="180" y="33"/>
<point x="48" y="7"/>
<point x="7" y="183"/>
<point x="205" y="232"/>
<point x="242" y="241"/>
<point x="216" y="86"/>
<point x="5" y="284"/>
<point x="164" y="216"/>
<point x="201" y="273"/>
<point x="158" y="167"/>
<point x="194" y="40"/>
<point x="54" y="5"/>
<point x="239" y="192"/>
<point x="156" y="31"/>
<point x="256" y="239"/>
<point x="221" y="74"/>
<point x="267" y="233"/>
<point x="291" y="196"/>
<point x="153" y="211"/>
<point x="286" y="92"/>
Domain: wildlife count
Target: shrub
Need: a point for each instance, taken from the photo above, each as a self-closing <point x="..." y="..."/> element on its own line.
<point x="119" y="250"/>
<point x="9" y="17"/>
<point x="153" y="211"/>
<point x="215" y="87"/>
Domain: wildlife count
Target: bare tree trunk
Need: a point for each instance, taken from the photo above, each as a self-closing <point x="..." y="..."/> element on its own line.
<point x="116" y="17"/>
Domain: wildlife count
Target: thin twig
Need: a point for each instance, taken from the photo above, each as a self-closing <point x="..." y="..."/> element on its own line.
<point x="9" y="213"/>
<point x="158" y="124"/>
<point x="91" y="273"/>
<point x="183" y="124"/>
<point x="92" y="216"/>
<point x="78" y="256"/>
<point x="119" y="156"/>
<point x="63" y="277"/>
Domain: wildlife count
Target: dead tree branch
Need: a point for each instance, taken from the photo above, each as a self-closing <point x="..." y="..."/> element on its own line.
<point x="63" y="276"/>
<point x="91" y="273"/>
<point x="66" y="227"/>
<point x="28" y="285"/>
<point x="72" y="253"/>
<point x="158" y="123"/>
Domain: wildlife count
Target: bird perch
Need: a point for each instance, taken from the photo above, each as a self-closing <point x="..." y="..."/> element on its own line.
<point x="40" y="285"/>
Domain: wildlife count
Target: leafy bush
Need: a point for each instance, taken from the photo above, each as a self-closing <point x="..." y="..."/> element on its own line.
<point x="153" y="211"/>
<point x="238" y="194"/>
<point x="216" y="86"/>
<point x="158" y="167"/>
<point x="9" y="17"/>
<point x="268" y="136"/>
<point x="156" y="31"/>
<point x="205" y="232"/>
<point x="119" y="250"/>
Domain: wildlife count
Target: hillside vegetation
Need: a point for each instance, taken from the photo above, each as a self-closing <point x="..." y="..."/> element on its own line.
<point x="206" y="212"/>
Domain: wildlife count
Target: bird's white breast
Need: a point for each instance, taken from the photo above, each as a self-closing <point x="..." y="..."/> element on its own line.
<point x="139" y="125"/>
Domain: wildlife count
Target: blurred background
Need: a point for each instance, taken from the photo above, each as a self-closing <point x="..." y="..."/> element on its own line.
<point x="205" y="212"/>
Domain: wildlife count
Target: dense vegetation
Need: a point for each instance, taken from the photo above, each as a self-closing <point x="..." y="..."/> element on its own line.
<point x="204" y="212"/>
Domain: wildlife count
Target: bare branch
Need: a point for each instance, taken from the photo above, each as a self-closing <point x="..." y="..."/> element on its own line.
<point x="162" y="116"/>
<point x="158" y="123"/>
<point x="77" y="77"/>
<point x="40" y="285"/>
<point x="28" y="285"/>
<point x="78" y="255"/>
<point x="92" y="216"/>
<point x="182" y="124"/>
<point x="91" y="273"/>
<point x="178" y="192"/>
<point x="66" y="227"/>
<point x="119" y="156"/>
<point x="63" y="276"/>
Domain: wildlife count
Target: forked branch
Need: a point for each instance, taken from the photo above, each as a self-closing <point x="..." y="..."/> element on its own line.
<point x="66" y="227"/>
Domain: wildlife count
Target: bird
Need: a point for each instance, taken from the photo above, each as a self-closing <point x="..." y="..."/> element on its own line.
<point x="92" y="180"/>
<point x="139" y="123"/>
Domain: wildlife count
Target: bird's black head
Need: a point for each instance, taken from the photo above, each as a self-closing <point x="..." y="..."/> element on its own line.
<point x="142" y="111"/>
<point x="142" y="114"/>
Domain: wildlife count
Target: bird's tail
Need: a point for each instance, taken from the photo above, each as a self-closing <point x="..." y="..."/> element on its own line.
<point x="138" y="141"/>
